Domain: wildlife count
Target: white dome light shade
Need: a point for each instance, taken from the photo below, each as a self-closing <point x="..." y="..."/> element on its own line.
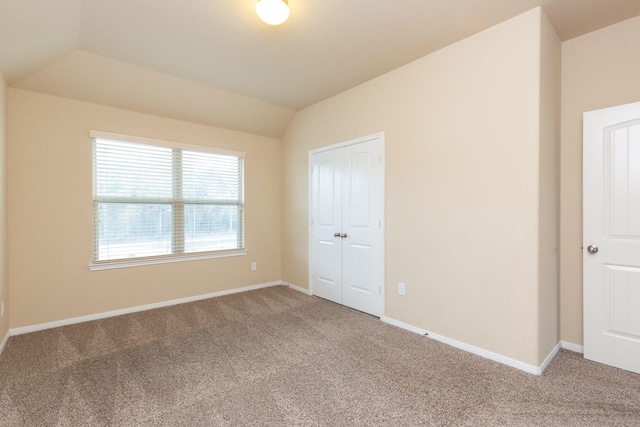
<point x="273" y="12"/>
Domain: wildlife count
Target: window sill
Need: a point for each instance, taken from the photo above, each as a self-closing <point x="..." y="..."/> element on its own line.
<point x="108" y="265"/>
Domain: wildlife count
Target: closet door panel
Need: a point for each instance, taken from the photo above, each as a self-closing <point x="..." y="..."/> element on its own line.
<point x="362" y="224"/>
<point x="326" y="218"/>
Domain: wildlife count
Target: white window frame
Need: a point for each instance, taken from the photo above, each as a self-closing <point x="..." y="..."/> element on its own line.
<point x="169" y="258"/>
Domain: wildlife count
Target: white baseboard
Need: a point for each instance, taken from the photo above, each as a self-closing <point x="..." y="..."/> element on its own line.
<point x="4" y="341"/>
<point x="535" y="370"/>
<point x="552" y="354"/>
<point x="297" y="288"/>
<point x="576" y="348"/>
<point x="403" y="325"/>
<point x="103" y="315"/>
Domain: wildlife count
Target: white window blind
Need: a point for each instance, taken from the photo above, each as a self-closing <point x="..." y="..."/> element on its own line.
<point x="161" y="201"/>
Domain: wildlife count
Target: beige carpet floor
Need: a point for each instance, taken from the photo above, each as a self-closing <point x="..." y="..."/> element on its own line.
<point x="276" y="357"/>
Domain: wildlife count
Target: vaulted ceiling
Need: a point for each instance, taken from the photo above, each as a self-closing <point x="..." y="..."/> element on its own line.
<point x="214" y="62"/>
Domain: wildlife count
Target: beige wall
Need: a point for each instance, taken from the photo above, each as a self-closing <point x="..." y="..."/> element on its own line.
<point x="462" y="169"/>
<point x="4" y="288"/>
<point x="549" y="171"/>
<point x="599" y="70"/>
<point x="50" y="212"/>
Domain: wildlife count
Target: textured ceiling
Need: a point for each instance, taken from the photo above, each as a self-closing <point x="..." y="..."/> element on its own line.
<point x="326" y="47"/>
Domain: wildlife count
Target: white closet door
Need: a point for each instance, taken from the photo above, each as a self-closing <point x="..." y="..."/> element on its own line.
<point x="346" y="249"/>
<point x="326" y="250"/>
<point x="362" y="224"/>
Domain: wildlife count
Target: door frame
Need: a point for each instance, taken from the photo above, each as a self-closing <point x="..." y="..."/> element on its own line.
<point x="355" y="141"/>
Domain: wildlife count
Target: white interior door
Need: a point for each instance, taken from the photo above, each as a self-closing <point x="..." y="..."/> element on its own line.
<point x="362" y="226"/>
<point x="326" y="220"/>
<point x="612" y="236"/>
<point x="346" y="250"/>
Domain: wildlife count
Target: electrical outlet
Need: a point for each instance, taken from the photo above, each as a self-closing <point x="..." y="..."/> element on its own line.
<point x="2" y="309"/>
<point x="254" y="266"/>
<point x="401" y="287"/>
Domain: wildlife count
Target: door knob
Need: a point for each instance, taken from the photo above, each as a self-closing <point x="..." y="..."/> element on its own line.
<point x="592" y="249"/>
<point x="337" y="235"/>
<point x="343" y="235"/>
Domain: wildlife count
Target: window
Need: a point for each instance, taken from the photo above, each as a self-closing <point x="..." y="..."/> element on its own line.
<point x="161" y="200"/>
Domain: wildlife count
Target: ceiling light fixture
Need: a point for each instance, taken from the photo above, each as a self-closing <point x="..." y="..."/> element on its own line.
<point x="273" y="12"/>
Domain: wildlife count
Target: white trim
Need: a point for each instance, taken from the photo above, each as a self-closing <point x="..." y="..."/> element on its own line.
<point x="354" y="141"/>
<point x="535" y="370"/>
<point x="164" y="260"/>
<point x="297" y="288"/>
<point x="4" y="341"/>
<point x="171" y="144"/>
<point x="129" y="310"/>
<point x="402" y="325"/>
<point x="576" y="348"/>
<point x="487" y="354"/>
<point x="550" y="357"/>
